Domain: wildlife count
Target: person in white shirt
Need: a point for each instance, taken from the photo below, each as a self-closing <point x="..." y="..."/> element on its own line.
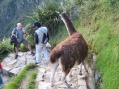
<point x="40" y="47"/>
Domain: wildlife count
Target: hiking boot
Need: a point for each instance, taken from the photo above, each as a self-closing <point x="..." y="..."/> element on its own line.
<point x="32" y="53"/>
<point x="38" y="63"/>
<point x="16" y="56"/>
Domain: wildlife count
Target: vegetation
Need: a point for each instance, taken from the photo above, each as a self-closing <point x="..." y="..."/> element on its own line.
<point x="16" y="81"/>
<point x="5" y="48"/>
<point x="99" y="25"/>
<point x="32" y="81"/>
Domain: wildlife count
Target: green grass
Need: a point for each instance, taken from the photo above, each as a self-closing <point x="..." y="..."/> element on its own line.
<point x="5" y="48"/>
<point x="16" y="81"/>
<point x="32" y="81"/>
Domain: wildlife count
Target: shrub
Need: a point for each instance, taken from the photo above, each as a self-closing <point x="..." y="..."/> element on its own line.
<point x="5" y="48"/>
<point x="47" y="15"/>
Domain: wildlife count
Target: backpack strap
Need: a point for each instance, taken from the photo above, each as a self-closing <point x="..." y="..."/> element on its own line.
<point x="36" y="41"/>
<point x="15" y="31"/>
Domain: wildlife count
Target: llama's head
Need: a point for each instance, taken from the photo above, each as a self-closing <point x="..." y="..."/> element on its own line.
<point x="63" y="16"/>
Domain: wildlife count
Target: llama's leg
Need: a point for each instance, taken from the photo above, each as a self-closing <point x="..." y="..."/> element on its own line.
<point x="85" y="67"/>
<point x="64" y="80"/>
<point x="54" y="68"/>
<point x="80" y="72"/>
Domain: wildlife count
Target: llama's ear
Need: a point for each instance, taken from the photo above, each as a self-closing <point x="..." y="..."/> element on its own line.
<point x="64" y="10"/>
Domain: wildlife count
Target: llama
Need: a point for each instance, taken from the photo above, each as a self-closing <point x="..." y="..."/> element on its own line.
<point x="69" y="52"/>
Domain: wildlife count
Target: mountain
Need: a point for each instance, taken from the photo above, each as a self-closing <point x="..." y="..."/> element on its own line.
<point x="14" y="11"/>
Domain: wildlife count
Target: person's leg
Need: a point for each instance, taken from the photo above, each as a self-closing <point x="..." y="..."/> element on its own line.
<point x="28" y="45"/>
<point x="46" y="54"/>
<point x="1" y="82"/>
<point x="39" y="49"/>
<point x="17" y="49"/>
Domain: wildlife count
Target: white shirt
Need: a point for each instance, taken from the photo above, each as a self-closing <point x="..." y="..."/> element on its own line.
<point x="40" y="31"/>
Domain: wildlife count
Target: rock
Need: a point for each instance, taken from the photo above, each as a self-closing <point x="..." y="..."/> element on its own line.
<point x="79" y="66"/>
<point x="81" y="76"/>
<point x="69" y="78"/>
<point x="43" y="85"/>
<point x="57" y="78"/>
<point x="20" y="63"/>
<point x="81" y="82"/>
<point x="82" y="87"/>
<point x="62" y="86"/>
<point x="30" y="61"/>
<point x="75" y="73"/>
<point x="29" y="52"/>
<point x="12" y="62"/>
<point x="48" y="74"/>
<point x="28" y="57"/>
<point x="40" y="77"/>
<point x="15" y="71"/>
<point x="59" y="83"/>
<point x="11" y="55"/>
<point x="7" y="59"/>
<point x="22" y="58"/>
<point x="6" y="68"/>
<point x="49" y="87"/>
<point x="42" y="70"/>
<point x="73" y="84"/>
<point x="20" y="53"/>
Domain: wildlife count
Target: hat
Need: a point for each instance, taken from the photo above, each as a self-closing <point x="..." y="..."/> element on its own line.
<point x="36" y="24"/>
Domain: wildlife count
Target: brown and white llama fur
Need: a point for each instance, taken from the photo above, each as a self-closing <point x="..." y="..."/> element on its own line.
<point x="69" y="52"/>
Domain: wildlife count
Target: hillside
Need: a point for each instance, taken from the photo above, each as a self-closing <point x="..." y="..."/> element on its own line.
<point x="13" y="11"/>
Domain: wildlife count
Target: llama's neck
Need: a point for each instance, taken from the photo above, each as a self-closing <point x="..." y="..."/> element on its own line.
<point x="69" y="26"/>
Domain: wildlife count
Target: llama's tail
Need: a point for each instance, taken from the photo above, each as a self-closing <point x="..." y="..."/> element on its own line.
<point x="54" y="56"/>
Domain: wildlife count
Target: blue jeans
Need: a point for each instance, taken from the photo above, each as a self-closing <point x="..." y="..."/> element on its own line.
<point x="1" y="81"/>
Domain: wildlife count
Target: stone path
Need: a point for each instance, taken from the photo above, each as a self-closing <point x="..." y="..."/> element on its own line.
<point x="14" y="66"/>
<point x="77" y="81"/>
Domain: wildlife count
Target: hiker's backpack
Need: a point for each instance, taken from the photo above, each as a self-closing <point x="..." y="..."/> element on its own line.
<point x="13" y="39"/>
<point x="45" y="38"/>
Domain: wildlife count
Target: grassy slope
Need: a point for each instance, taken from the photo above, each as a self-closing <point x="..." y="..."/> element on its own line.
<point x="99" y="27"/>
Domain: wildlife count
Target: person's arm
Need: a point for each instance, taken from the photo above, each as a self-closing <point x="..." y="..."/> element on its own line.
<point x="25" y="32"/>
